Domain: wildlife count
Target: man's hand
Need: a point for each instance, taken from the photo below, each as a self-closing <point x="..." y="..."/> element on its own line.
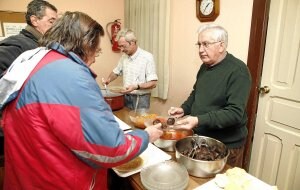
<point x="176" y="112"/>
<point x="105" y="81"/>
<point x="129" y="89"/>
<point x="188" y="122"/>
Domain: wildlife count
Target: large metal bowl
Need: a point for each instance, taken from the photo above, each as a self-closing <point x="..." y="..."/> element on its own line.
<point x="197" y="167"/>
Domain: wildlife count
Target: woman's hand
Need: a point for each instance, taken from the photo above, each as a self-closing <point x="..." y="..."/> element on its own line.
<point x="154" y="131"/>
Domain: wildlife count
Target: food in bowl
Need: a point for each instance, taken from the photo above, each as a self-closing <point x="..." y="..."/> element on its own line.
<point x="160" y="120"/>
<point x="139" y="117"/>
<point x="166" y="123"/>
<point x="131" y="165"/>
<point x="197" y="167"/>
<point x="170" y="134"/>
<point x="174" y="134"/>
<point x="156" y="121"/>
<point x="203" y="151"/>
<point x="169" y="137"/>
<point x="171" y="121"/>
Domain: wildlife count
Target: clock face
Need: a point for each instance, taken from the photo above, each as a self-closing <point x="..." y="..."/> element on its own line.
<point x="206" y="7"/>
<point x="207" y="10"/>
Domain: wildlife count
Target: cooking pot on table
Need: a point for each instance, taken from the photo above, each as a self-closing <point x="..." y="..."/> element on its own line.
<point x="188" y="147"/>
<point x="113" y="99"/>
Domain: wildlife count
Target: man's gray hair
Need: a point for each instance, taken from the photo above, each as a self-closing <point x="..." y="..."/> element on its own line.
<point x="128" y="34"/>
<point x="218" y="32"/>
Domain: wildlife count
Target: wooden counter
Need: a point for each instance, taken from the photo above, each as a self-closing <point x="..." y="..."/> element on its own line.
<point x="135" y="179"/>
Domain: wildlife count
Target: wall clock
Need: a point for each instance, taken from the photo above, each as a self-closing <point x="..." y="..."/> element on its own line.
<point x="207" y="10"/>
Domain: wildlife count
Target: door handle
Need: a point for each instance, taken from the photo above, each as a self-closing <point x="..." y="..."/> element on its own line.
<point x="264" y="90"/>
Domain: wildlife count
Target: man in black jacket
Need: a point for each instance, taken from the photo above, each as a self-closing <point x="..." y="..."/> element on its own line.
<point x="40" y="16"/>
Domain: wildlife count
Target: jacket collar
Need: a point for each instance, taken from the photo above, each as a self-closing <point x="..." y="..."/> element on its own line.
<point x="34" y="32"/>
<point x="59" y="48"/>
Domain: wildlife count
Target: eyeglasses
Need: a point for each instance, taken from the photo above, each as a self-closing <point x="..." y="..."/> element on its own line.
<point x="98" y="52"/>
<point x="125" y="46"/>
<point x="206" y="45"/>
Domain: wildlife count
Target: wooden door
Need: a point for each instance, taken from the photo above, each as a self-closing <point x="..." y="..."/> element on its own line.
<point x="275" y="156"/>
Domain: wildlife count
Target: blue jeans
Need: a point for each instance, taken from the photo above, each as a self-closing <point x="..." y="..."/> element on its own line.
<point x="143" y="102"/>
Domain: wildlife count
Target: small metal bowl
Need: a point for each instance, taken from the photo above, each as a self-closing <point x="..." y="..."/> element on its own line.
<point x="196" y="167"/>
<point x="169" y="138"/>
<point x="170" y="135"/>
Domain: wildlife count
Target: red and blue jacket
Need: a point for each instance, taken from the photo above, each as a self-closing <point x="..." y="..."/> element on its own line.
<point x="59" y="131"/>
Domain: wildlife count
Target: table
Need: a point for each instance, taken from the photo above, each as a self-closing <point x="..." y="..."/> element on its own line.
<point x="135" y="180"/>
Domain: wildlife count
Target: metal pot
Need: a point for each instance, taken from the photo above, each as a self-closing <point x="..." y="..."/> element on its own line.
<point x="113" y="99"/>
<point x="196" y="167"/>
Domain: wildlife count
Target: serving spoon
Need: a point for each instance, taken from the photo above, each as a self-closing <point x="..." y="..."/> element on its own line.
<point x="136" y="103"/>
<point x="105" y="86"/>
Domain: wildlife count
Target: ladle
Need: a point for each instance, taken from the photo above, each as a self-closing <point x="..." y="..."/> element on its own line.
<point x="137" y="102"/>
<point x="196" y="145"/>
<point x="105" y="86"/>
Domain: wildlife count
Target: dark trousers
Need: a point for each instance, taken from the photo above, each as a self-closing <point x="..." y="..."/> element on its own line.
<point x="117" y="183"/>
<point x="235" y="158"/>
<point x="141" y="101"/>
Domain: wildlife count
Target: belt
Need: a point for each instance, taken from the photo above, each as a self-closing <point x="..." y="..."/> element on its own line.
<point x="137" y="94"/>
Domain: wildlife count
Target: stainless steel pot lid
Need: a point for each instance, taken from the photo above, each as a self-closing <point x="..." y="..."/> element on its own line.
<point x="116" y="89"/>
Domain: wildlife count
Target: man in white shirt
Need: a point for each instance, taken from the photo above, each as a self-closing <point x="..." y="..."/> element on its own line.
<point x="137" y="67"/>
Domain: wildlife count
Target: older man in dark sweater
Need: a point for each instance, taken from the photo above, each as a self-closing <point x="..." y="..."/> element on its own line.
<point x="217" y="105"/>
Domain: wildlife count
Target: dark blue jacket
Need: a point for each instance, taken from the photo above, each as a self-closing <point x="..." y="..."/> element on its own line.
<point x="13" y="46"/>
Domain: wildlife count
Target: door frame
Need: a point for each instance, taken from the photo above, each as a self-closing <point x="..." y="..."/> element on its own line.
<point x="256" y="50"/>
